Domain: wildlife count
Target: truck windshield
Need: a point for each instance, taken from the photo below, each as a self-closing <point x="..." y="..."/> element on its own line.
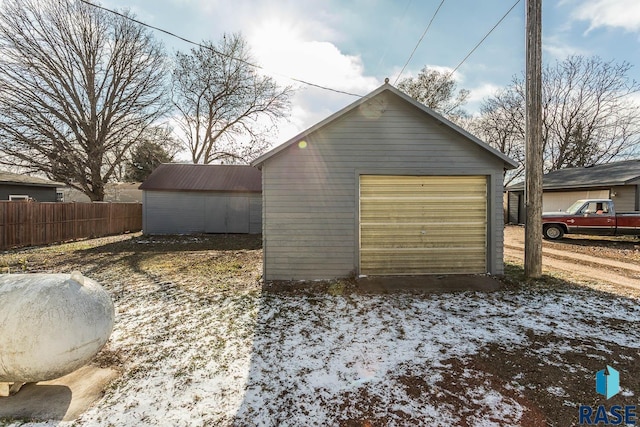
<point x="574" y="207"/>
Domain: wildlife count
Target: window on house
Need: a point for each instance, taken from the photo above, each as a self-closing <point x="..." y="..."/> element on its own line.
<point x="18" y="197"/>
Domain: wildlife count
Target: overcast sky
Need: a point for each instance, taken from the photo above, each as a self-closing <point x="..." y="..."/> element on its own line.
<point x="352" y="45"/>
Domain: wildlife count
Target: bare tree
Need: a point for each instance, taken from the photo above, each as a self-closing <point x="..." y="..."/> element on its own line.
<point x="77" y="88"/>
<point x="226" y="109"/>
<point x="157" y="144"/>
<point x="501" y="124"/>
<point x="588" y="114"/>
<point x="437" y="90"/>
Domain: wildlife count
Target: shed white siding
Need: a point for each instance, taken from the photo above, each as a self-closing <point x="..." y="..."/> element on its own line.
<point x="170" y="212"/>
<point x="310" y="190"/>
<point x="175" y="212"/>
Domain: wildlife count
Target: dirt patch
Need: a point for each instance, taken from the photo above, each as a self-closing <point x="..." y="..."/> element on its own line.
<point x="621" y="248"/>
<point x="556" y="383"/>
<point x="386" y="285"/>
<point x="601" y="262"/>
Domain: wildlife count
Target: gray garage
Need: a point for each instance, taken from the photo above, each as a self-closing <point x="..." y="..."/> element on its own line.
<point x="186" y="198"/>
<point x="385" y="186"/>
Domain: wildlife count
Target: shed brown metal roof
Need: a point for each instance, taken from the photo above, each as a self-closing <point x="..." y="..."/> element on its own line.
<point x="189" y="177"/>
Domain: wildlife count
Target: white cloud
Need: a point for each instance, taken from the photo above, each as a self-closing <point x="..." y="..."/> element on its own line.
<point x="412" y="73"/>
<point x="282" y="50"/>
<point x="609" y="13"/>
<point x="635" y="98"/>
<point x="285" y="50"/>
<point x="479" y="93"/>
<point x="557" y="48"/>
<point x="293" y="39"/>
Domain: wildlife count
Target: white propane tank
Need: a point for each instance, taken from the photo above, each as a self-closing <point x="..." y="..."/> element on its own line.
<point x="50" y="324"/>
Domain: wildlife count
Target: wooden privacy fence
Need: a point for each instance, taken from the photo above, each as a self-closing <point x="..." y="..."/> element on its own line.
<point x="34" y="223"/>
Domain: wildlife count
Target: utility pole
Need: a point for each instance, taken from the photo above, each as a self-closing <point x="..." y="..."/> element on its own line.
<point x="533" y="132"/>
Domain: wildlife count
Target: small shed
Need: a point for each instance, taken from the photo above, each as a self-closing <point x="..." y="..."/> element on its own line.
<point x="618" y="181"/>
<point x="15" y="186"/>
<point x="385" y="186"/>
<point x="187" y="198"/>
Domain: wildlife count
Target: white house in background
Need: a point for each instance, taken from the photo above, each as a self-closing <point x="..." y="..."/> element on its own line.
<point x="123" y="192"/>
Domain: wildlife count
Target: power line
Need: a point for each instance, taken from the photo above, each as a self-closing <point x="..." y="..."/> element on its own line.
<point x="484" y="38"/>
<point x="478" y="45"/>
<point x="216" y="51"/>
<point x="171" y="34"/>
<point x="419" y="41"/>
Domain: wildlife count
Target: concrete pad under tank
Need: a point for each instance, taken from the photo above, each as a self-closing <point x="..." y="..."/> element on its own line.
<point x="52" y="324"/>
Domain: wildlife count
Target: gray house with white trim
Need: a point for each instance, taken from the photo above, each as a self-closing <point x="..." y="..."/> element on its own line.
<point x="14" y="186"/>
<point x="189" y="199"/>
<point x="385" y="186"/>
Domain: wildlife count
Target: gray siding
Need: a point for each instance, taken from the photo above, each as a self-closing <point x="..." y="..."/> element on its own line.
<point x="310" y="195"/>
<point x="168" y="212"/>
<point x="625" y="198"/>
<point x="173" y="212"/>
<point x="255" y="214"/>
<point x="39" y="194"/>
<point x="513" y="198"/>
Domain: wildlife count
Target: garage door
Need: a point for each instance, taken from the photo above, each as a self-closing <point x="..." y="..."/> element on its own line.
<point x="226" y="214"/>
<point x="560" y="201"/>
<point x="423" y="224"/>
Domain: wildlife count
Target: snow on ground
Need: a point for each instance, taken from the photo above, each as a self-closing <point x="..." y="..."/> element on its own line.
<point x="270" y="359"/>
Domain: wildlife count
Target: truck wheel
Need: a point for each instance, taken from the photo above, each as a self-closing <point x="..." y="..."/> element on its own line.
<point x="552" y="232"/>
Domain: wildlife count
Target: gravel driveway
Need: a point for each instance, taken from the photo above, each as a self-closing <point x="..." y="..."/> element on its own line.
<point x="601" y="260"/>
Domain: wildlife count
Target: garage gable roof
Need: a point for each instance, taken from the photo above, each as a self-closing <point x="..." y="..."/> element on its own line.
<point x="508" y="162"/>
<point x="20" y="179"/>
<point x="189" y="177"/>
<point x="610" y="174"/>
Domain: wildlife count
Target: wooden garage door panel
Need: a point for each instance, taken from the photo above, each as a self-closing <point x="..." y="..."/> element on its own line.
<point x="434" y="187"/>
<point x="435" y="261"/>
<point x="398" y="212"/>
<point x="410" y="236"/>
<point x="422" y="224"/>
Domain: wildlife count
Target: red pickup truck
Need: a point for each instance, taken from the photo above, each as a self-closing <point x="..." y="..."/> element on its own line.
<point x="590" y="216"/>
